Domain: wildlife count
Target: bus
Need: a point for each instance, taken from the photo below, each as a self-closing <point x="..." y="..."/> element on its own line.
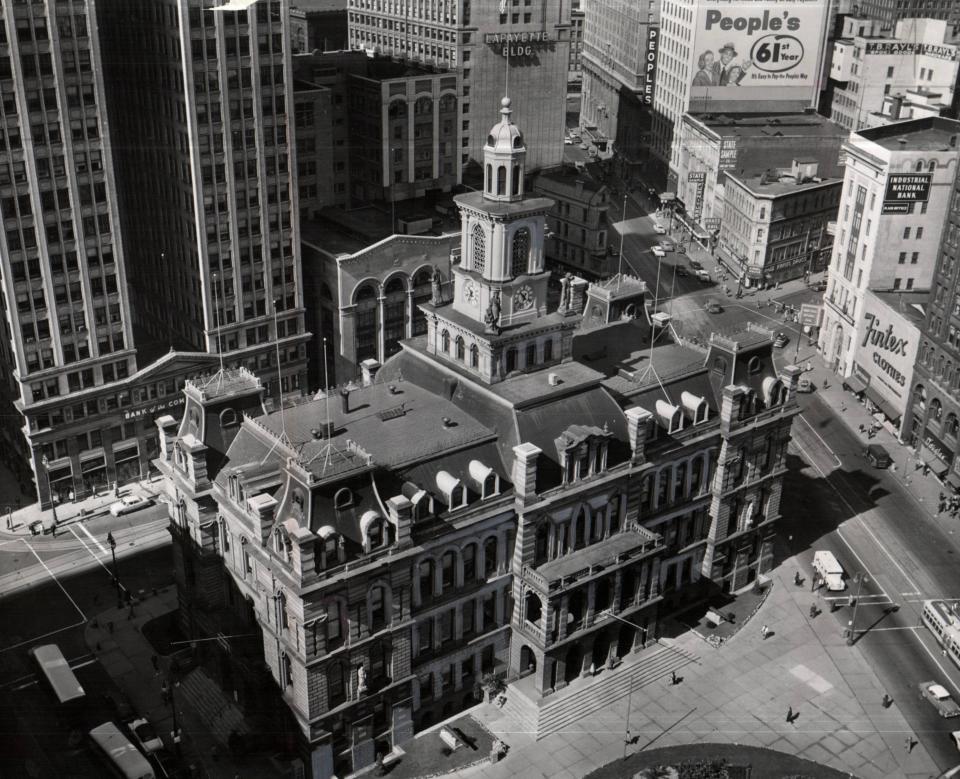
<point x="56" y="670"/>
<point x="114" y="747"/>
<point x="939" y="616"/>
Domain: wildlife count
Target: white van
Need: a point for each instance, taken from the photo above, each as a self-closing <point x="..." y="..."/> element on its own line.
<point x="829" y="570"/>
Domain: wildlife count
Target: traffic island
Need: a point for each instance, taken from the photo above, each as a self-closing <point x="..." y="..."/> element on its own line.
<point x="714" y="761"/>
<point x="720" y="617"/>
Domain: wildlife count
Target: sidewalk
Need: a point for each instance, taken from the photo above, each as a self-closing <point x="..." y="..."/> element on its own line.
<point x="126" y="656"/>
<point x="740" y="694"/>
<point x="18" y="523"/>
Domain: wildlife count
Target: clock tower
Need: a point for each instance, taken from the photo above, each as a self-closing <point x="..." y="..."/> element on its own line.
<point x="497" y="322"/>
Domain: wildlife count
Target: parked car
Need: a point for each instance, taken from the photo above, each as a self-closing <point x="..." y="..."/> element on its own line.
<point x="659" y="229"/>
<point x="703" y="275"/>
<point x="568" y="141"/>
<point x="877" y="456"/>
<point x="780" y="341"/>
<point x="658" y="251"/>
<point x="666" y="245"/>
<point x="696" y="265"/>
<point x="819" y="286"/>
<point x="805" y="385"/>
<point x="939" y="698"/>
<point x="713" y="307"/>
<point x="681" y="271"/>
<point x="128" y="504"/>
<point x="145" y="735"/>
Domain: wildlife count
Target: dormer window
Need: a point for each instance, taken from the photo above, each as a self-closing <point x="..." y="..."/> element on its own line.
<point x="343" y="499"/>
<point x="371" y="527"/>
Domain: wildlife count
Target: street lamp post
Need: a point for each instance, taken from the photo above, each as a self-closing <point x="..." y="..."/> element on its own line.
<point x="116" y="578"/>
<point x="860" y="579"/>
<point x="175" y="733"/>
<point x="626" y="731"/>
<point x="53" y="502"/>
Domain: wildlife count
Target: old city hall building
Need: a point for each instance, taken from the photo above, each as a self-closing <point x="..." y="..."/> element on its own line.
<point x="520" y="491"/>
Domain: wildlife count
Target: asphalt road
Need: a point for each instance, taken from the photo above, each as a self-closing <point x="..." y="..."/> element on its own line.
<point x="836" y="501"/>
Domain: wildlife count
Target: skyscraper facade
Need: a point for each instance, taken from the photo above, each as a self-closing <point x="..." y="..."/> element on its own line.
<point x="199" y="92"/>
<point x="521" y="46"/>
<point x="892" y="11"/>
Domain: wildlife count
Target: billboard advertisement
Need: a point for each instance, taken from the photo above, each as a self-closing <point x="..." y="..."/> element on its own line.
<point x="650" y="63"/>
<point x="762" y="52"/>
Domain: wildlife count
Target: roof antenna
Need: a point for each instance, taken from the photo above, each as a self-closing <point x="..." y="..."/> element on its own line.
<point x="217" y="325"/>
<point x="276" y="340"/>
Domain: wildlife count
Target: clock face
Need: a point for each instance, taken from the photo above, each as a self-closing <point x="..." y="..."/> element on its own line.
<point x="470" y="293"/>
<point x="522" y="298"/>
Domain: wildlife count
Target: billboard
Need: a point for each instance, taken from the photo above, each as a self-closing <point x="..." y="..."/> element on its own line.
<point x="650" y="63"/>
<point x="907" y="188"/>
<point x="761" y="52"/>
<point x="699" y="179"/>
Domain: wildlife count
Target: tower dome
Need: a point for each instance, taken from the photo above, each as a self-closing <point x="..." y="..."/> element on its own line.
<point x="505" y="136"/>
<point x="503" y="156"/>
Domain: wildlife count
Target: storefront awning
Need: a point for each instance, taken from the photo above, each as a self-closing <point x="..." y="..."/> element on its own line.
<point x="888" y="409"/>
<point x="854" y="384"/>
<point x="937" y="464"/>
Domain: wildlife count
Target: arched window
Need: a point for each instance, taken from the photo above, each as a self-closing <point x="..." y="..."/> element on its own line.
<point x="502" y="180"/>
<point x="920" y="396"/>
<point x="469" y="559"/>
<point x="932" y="166"/>
<point x="474" y="356"/>
<point x="516" y="180"/>
<point x="919" y="166"/>
<point x="394" y="315"/>
<point x="936" y="409"/>
<point x="490" y="179"/>
<point x="479" y="248"/>
<point x="375" y="534"/>
<point x="448" y="567"/>
<point x="422" y="293"/>
<point x="520" y="252"/>
<point x="445" y="342"/>
<point x="579" y="534"/>
<point x="540" y="546"/>
<point x="613" y="510"/>
<point x="336" y="688"/>
<point x="679" y="479"/>
<point x="343" y="498"/>
<point x="366" y="325"/>
<point x="460" y="347"/>
<point x="378" y="609"/>
<point x="696" y="475"/>
<point x="490" y="556"/>
<point x="425" y="574"/>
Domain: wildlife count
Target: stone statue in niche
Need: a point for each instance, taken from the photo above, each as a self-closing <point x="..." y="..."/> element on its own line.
<point x="565" y="293"/>
<point x="436" y="295"/>
<point x="492" y="318"/>
<point x="361" y="680"/>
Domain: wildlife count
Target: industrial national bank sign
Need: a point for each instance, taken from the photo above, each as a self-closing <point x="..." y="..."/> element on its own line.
<point x="519" y="44"/>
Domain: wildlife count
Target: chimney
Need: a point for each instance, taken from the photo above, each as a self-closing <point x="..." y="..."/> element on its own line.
<point x="264" y="507"/>
<point x="345" y="400"/>
<point x="401" y="514"/>
<point x="579" y="187"/>
<point x="896" y="105"/>
<point x="525" y="472"/>
<point x="368" y="370"/>
<point x="578" y="289"/>
<point x="638" y="423"/>
<point x="730" y="406"/>
<point x="790" y="375"/>
<point x="168" y="431"/>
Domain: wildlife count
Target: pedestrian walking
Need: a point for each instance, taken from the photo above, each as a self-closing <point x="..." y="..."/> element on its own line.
<point x="863" y="428"/>
<point x="764" y="632"/>
<point x="673" y="677"/>
<point x="940" y="507"/>
<point x="908" y="743"/>
<point x="789" y="713"/>
<point x="887" y="700"/>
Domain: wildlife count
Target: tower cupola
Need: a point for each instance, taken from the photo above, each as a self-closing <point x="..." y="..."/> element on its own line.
<point x="504" y="155"/>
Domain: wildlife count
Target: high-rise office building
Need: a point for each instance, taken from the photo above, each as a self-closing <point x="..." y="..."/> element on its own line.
<point x="620" y="39"/>
<point x="892" y="11"/>
<point x="199" y="92"/>
<point x="718" y="57"/>
<point x="62" y="262"/>
<point x="521" y="46"/>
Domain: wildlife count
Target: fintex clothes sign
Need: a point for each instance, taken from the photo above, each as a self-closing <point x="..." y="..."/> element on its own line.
<point x="886" y="348"/>
<point x="765" y="52"/>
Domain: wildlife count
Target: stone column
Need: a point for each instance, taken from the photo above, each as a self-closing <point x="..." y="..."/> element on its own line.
<point x="408" y="327"/>
<point x="587" y="646"/>
<point x="562" y="616"/>
<point x="381" y="341"/>
<point x="591" y="603"/>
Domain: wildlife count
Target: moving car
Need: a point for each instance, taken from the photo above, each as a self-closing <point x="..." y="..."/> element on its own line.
<point x="877" y="456"/>
<point x="696" y="265"/>
<point x="713" y="307"/>
<point x="145" y="735"/>
<point x="780" y="341"/>
<point x="681" y="271"/>
<point x="939" y="697"/>
<point x="703" y="275"/>
<point x="658" y="251"/>
<point x="129" y="504"/>
<point x="805" y="385"/>
<point x="659" y="229"/>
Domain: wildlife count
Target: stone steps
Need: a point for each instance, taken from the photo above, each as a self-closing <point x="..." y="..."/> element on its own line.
<point x="558" y="712"/>
<point x="214" y="708"/>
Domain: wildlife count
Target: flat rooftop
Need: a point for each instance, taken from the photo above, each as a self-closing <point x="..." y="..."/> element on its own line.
<point x="769" y="125"/>
<point x="912" y="304"/>
<point x="932" y="133"/>
<point x="772" y="186"/>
